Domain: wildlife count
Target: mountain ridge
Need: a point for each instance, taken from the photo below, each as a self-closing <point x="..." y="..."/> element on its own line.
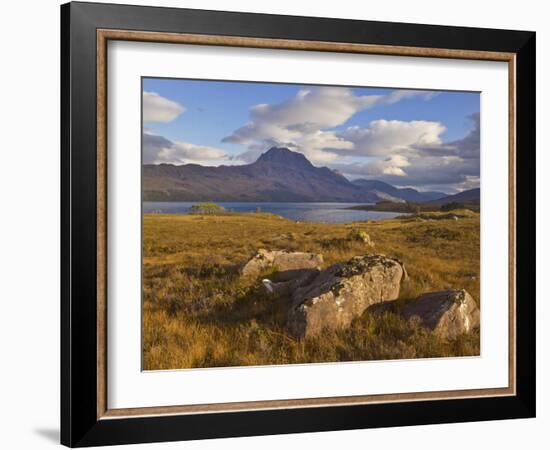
<point x="468" y="196"/>
<point x="406" y="194"/>
<point x="278" y="175"/>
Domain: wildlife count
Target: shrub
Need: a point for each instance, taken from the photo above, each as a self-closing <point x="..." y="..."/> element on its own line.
<point x="207" y="208"/>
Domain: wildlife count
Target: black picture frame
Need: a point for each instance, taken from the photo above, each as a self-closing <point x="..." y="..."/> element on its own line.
<point x="80" y="425"/>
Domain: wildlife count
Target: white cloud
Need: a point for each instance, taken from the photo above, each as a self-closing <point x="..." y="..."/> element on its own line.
<point x="438" y="172"/>
<point x="401" y="94"/>
<point x="390" y="166"/>
<point x="158" y="150"/>
<point x="384" y="137"/>
<point x="304" y="122"/>
<point x="185" y="152"/>
<point x="160" y="109"/>
<point x="301" y="122"/>
<point x="308" y="111"/>
<point x="414" y="154"/>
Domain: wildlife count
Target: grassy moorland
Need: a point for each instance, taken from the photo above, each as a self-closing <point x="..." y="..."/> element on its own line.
<point x="197" y="312"/>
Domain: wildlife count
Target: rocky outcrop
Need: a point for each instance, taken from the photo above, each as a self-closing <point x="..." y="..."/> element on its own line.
<point x="288" y="265"/>
<point x="342" y="292"/>
<point x="332" y="298"/>
<point x="447" y="314"/>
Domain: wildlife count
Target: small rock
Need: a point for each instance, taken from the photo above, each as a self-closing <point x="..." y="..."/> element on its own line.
<point x="342" y="292"/>
<point x="286" y="263"/>
<point x="447" y="313"/>
<point x="268" y="284"/>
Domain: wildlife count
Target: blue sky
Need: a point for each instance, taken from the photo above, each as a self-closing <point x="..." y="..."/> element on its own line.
<point x="377" y="133"/>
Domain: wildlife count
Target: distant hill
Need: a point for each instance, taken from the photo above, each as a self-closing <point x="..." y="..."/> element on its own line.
<point x="470" y="196"/>
<point x="279" y="175"/>
<point x="405" y="194"/>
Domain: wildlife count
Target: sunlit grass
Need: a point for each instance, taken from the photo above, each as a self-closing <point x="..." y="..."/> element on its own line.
<point x="197" y="312"/>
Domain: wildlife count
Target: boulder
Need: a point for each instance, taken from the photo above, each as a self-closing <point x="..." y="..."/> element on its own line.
<point x="287" y="282"/>
<point x="342" y="292"/>
<point x="289" y="265"/>
<point x="448" y="313"/>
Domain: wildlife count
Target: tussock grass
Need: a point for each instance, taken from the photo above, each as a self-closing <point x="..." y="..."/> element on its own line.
<point x="197" y="312"/>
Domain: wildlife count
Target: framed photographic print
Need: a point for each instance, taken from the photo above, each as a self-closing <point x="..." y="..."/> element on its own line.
<point x="276" y="224"/>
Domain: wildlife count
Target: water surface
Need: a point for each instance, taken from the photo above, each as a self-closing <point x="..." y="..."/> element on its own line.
<point x="323" y="212"/>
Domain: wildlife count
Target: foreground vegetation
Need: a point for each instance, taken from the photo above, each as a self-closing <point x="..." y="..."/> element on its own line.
<point x="197" y="312"/>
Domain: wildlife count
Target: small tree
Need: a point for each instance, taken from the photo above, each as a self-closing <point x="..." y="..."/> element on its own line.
<point x="207" y="208"/>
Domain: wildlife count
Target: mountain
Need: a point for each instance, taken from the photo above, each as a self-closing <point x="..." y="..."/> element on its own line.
<point x="405" y="194"/>
<point x="470" y="196"/>
<point x="277" y="175"/>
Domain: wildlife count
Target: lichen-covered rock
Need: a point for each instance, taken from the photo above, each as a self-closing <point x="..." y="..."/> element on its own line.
<point x="342" y="292"/>
<point x="288" y="264"/>
<point x="447" y="314"/>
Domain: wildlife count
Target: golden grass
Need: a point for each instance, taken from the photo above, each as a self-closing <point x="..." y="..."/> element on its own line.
<point x="198" y="313"/>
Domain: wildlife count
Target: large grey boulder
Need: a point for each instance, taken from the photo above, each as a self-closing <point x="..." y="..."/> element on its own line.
<point x="288" y="265"/>
<point x="447" y="314"/>
<point x="342" y="292"/>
